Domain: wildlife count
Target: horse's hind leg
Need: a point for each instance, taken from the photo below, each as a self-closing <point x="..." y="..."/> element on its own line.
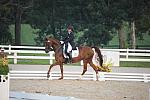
<point x="95" y="69"/>
<point x="84" y="68"/>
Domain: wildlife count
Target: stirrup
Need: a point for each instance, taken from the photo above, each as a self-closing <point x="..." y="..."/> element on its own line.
<point x="67" y="60"/>
<point x="75" y="48"/>
<point x="70" y="61"/>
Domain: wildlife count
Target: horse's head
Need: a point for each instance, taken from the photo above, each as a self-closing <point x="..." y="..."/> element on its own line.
<point x="51" y="44"/>
<point x="48" y="45"/>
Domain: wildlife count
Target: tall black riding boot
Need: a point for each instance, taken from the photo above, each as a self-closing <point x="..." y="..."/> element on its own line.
<point x="70" y="57"/>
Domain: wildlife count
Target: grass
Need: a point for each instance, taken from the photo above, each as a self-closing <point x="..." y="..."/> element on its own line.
<point x="31" y="54"/>
<point x="135" y="64"/>
<point x="145" y="41"/>
<point x="37" y="62"/>
<point x="30" y="61"/>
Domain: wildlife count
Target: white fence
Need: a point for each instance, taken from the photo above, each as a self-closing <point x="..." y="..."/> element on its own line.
<point x="4" y="87"/>
<point x="132" y="54"/>
<point x="13" y="52"/>
<point x="75" y="75"/>
<point x="125" y="54"/>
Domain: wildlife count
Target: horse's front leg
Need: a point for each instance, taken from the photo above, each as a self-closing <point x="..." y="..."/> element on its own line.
<point x="48" y="73"/>
<point x="61" y="69"/>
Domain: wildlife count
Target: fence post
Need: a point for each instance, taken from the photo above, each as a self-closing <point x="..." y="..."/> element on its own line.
<point x="9" y="49"/>
<point x="127" y="55"/>
<point x="149" y="93"/>
<point x="94" y="76"/>
<point x="50" y="78"/>
<point x="51" y="56"/>
<point x="145" y="78"/>
<point x="102" y="76"/>
<point x="15" y="57"/>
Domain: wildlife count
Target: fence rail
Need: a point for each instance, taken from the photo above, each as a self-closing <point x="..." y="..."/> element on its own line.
<point x="125" y="54"/>
<point x="103" y="76"/>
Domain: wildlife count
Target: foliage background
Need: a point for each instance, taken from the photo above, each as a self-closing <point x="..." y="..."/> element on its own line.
<point x="95" y="22"/>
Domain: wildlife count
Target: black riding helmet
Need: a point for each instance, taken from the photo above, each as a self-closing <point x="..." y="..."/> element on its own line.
<point x="70" y="27"/>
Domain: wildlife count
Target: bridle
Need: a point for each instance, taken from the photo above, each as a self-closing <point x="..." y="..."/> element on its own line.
<point x="48" y="46"/>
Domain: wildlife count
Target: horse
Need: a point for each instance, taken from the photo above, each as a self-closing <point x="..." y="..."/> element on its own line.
<point x="85" y="53"/>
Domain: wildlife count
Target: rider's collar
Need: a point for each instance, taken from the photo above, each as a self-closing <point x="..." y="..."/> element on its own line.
<point x="48" y="41"/>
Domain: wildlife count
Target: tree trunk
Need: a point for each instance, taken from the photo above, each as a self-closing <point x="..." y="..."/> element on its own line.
<point x="18" y="26"/>
<point x="133" y="39"/>
<point x="121" y="37"/>
<point x="53" y="18"/>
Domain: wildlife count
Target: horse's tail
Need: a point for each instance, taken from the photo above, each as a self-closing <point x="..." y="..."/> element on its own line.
<point x="97" y="50"/>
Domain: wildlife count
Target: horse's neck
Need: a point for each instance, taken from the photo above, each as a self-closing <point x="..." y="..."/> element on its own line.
<point x="56" y="47"/>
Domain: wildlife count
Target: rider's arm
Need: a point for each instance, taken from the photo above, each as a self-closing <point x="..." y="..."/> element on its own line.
<point x="69" y="38"/>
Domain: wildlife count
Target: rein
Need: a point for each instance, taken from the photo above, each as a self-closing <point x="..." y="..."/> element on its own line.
<point x="57" y="49"/>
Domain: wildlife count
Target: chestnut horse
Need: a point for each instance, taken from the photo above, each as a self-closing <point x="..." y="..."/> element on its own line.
<point x="85" y="53"/>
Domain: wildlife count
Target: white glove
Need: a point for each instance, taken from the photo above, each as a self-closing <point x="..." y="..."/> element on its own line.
<point x="61" y="42"/>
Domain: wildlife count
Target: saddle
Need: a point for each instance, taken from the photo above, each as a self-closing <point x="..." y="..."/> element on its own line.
<point x="68" y="55"/>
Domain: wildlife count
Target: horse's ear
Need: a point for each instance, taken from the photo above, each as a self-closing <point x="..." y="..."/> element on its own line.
<point x="50" y="36"/>
<point x="46" y="38"/>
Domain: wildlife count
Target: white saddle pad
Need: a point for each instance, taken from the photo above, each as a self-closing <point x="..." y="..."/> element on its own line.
<point x="69" y="48"/>
<point x="75" y="53"/>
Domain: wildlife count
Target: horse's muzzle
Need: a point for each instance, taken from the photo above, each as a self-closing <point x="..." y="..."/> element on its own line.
<point x="46" y="51"/>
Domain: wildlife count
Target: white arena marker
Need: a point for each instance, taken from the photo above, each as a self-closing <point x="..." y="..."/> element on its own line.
<point x="149" y="93"/>
<point x="36" y="96"/>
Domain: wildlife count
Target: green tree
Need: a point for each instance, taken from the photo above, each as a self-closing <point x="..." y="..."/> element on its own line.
<point x="114" y="17"/>
<point x="96" y="19"/>
<point x="11" y="12"/>
<point x="136" y="10"/>
<point x="48" y="19"/>
<point x="96" y="28"/>
<point x="19" y="8"/>
<point x="5" y="20"/>
<point x="126" y="11"/>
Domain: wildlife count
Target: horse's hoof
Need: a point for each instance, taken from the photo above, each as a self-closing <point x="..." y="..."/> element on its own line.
<point x="60" y="78"/>
<point x="78" y="79"/>
<point x="48" y="75"/>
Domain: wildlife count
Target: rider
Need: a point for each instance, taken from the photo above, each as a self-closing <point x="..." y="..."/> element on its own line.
<point x="69" y="39"/>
